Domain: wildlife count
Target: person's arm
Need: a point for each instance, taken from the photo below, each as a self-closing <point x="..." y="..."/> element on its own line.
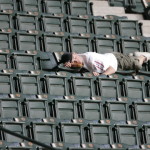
<point x="110" y="70"/>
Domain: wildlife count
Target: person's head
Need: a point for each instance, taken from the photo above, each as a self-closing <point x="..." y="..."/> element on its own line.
<point x="71" y="60"/>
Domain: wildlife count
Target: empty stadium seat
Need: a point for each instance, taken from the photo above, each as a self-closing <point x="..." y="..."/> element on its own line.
<point x="103" y="26"/>
<point x="127" y="135"/>
<point x="78" y="7"/>
<point x="145" y="136"/>
<point x="128" y="28"/>
<point x="26" y="41"/>
<point x="82" y="87"/>
<point x="25" y="61"/>
<point x="55" y="86"/>
<point x="10" y="108"/>
<point x="6" y="85"/>
<point x="108" y="88"/>
<point x="6" y="20"/>
<point x="53" y="42"/>
<point x="91" y="110"/>
<point x="119" y="3"/>
<point x="47" y="133"/>
<point x="8" y="5"/>
<point x="106" y="44"/>
<point x="140" y="111"/>
<point x="5" y="62"/>
<point x="36" y="108"/>
<point x="53" y="6"/>
<point x="43" y="132"/>
<point x="29" y="6"/>
<point x="64" y="109"/>
<point x="138" y="6"/>
<point x="28" y="84"/>
<point x="72" y="134"/>
<point x="133" y="89"/>
<point x="52" y="23"/>
<point x="78" y="24"/>
<point x="6" y="40"/>
<point x="100" y="135"/>
<point x="116" y="111"/>
<point x="27" y="22"/>
<point x="131" y="45"/>
<point x="16" y="127"/>
<point x="80" y="43"/>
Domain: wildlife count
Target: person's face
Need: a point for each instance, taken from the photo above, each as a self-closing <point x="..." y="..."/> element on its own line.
<point x="76" y="59"/>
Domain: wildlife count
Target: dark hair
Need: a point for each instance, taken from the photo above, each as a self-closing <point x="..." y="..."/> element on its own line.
<point x="66" y="57"/>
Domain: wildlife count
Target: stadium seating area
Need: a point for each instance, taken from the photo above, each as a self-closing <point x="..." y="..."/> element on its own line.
<point x="66" y="110"/>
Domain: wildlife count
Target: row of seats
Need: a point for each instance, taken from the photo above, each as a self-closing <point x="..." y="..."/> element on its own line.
<point x="31" y="59"/>
<point x="80" y="43"/>
<point x="78" y="135"/>
<point x="131" y="6"/>
<point x="71" y="7"/>
<point x="73" y="24"/>
<point x="83" y="111"/>
<point x="34" y="85"/>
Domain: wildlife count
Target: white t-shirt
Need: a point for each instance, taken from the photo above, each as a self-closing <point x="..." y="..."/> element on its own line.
<point x="95" y="62"/>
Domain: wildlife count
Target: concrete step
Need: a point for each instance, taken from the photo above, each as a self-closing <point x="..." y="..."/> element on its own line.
<point x="134" y="16"/>
<point x="100" y="11"/>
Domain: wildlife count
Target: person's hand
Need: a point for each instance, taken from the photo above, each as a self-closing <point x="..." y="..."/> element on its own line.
<point x="96" y="74"/>
<point x="67" y="64"/>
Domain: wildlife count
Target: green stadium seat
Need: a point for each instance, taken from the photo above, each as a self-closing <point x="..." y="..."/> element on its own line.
<point x="102" y="26"/>
<point x="53" y="6"/>
<point x="119" y="3"/>
<point x="78" y="7"/>
<point x="44" y="132"/>
<point x="5" y="59"/>
<point x="36" y="108"/>
<point x="116" y="111"/>
<point x="5" y="40"/>
<point x="6" y="84"/>
<point x="52" y="23"/>
<point x="82" y="87"/>
<point x="127" y="135"/>
<point x="10" y="108"/>
<point x="29" y="6"/>
<point x="27" y="22"/>
<point x="8" y="5"/>
<point x="145" y="136"/>
<point x="72" y="134"/>
<point x="129" y="45"/>
<point x="106" y="44"/>
<point x="6" y="20"/>
<point x="16" y="127"/>
<point x="55" y="86"/>
<point x="78" y="24"/>
<point x="53" y="42"/>
<point x="140" y="111"/>
<point x="128" y="28"/>
<point x="108" y="88"/>
<point x="91" y="110"/>
<point x="28" y="84"/>
<point x="138" y="6"/>
<point x="133" y="89"/>
<point x="64" y="109"/>
<point x="100" y="135"/>
<point x="26" y="41"/>
<point x="80" y="43"/>
<point x="24" y="61"/>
